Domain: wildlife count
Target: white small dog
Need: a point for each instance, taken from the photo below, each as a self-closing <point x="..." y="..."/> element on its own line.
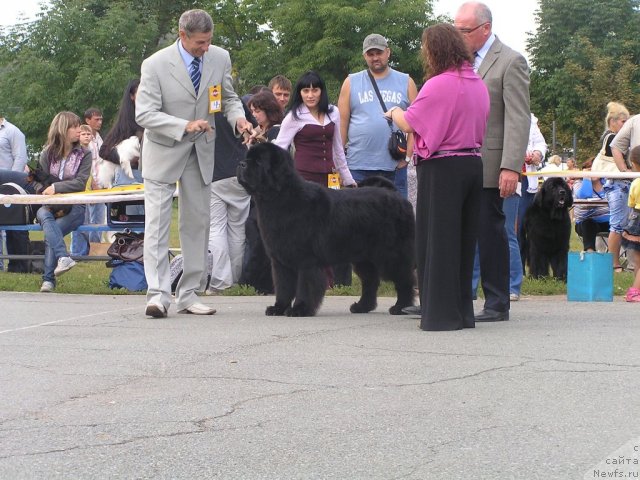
<point x="128" y="150"/>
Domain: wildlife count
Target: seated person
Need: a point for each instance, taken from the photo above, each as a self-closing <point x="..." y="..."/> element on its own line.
<point x="64" y="167"/>
<point x="590" y="220"/>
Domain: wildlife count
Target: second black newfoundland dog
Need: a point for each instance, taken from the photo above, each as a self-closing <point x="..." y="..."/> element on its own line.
<point x="307" y="227"/>
<point x="546" y="230"/>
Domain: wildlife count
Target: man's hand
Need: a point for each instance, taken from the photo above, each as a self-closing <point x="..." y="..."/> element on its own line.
<point x="198" y="126"/>
<point x="50" y="190"/>
<point x="508" y="182"/>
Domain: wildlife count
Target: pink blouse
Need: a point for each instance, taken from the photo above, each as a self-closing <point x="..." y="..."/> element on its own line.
<point x="449" y="113"/>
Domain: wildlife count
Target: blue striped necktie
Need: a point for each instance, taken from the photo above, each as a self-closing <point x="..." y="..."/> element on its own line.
<point x="194" y="73"/>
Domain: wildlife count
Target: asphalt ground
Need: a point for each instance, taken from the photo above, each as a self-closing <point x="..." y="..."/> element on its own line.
<point x="90" y="388"/>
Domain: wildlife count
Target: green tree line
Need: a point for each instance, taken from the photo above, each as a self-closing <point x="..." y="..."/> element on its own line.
<point x="81" y="53"/>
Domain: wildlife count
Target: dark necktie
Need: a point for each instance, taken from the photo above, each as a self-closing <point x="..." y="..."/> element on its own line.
<point x="194" y="73"/>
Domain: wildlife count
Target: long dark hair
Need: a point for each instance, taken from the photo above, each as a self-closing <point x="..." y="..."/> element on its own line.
<point x="308" y="80"/>
<point x="443" y="48"/>
<point x="267" y="102"/>
<point x="125" y="125"/>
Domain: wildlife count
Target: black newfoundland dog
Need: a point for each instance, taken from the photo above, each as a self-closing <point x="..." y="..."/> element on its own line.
<point x="546" y="230"/>
<point x="306" y="227"/>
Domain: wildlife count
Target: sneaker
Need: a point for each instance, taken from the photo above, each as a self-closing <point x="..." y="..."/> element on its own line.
<point x="47" y="287"/>
<point x="514" y="297"/>
<point x="64" y="265"/>
<point x="633" y="295"/>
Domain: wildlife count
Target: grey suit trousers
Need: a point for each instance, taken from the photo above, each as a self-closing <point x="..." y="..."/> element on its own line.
<point x="193" y="210"/>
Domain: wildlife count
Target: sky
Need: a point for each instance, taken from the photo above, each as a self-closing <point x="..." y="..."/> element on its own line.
<point x="512" y="19"/>
<point x="11" y="9"/>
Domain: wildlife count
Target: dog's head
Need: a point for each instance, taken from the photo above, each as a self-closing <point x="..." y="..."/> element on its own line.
<point x="554" y="196"/>
<point x="267" y="170"/>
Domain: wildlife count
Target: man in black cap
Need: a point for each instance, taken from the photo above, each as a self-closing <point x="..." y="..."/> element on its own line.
<point x="365" y="132"/>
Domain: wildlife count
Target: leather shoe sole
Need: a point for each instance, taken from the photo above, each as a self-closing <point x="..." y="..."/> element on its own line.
<point x="412" y="310"/>
<point x="488" y="315"/>
<point x="198" y="309"/>
<point x="155" y="311"/>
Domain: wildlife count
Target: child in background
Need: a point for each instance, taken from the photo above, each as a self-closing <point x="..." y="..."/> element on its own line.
<point x="631" y="232"/>
<point x="86" y="135"/>
<point x="80" y="240"/>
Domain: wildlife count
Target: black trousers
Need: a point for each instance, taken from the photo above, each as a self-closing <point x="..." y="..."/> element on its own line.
<point x="447" y="218"/>
<point x="493" y="248"/>
<point x="588" y="229"/>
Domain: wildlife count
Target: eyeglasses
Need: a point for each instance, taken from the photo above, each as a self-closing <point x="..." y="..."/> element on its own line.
<point x="467" y="31"/>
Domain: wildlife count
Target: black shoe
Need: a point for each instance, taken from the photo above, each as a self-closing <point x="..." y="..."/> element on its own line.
<point x="156" y="311"/>
<point x="412" y="310"/>
<point x="488" y="315"/>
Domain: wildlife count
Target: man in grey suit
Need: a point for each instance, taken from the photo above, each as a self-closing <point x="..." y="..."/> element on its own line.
<point x="506" y="74"/>
<point x="181" y="88"/>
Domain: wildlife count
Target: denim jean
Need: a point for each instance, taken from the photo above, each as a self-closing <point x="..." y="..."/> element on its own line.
<point x="54" y="231"/>
<point x="617" y="193"/>
<point x="510" y="208"/>
<point x="94" y="214"/>
<point x="359" y="175"/>
<point x="401" y="182"/>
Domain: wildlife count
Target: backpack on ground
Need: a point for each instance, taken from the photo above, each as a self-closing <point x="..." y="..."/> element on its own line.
<point x="175" y="271"/>
<point x="127" y="275"/>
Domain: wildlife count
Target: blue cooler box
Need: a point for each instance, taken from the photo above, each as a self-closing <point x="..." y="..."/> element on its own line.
<point x="590" y="277"/>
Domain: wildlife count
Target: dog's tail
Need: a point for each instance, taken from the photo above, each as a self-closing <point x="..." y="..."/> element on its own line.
<point x="377" y="181"/>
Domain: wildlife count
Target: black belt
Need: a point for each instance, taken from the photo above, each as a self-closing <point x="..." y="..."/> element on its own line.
<point x="460" y="150"/>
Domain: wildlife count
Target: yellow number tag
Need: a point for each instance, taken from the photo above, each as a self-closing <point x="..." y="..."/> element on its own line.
<point x="215" y="99"/>
<point x="333" y="181"/>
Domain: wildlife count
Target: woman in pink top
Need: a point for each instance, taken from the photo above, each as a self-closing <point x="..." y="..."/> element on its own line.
<point x="448" y="119"/>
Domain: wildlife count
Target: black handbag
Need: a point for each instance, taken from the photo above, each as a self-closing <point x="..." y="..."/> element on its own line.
<point x="16" y="213"/>
<point x="398" y="140"/>
<point x="128" y="246"/>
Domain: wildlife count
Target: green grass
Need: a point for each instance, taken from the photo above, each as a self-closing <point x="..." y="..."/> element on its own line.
<point x="93" y="278"/>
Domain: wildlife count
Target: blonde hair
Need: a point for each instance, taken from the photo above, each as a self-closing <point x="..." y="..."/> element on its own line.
<point x="615" y="111"/>
<point x="86" y="128"/>
<point x="555" y="159"/>
<point x="57" y="145"/>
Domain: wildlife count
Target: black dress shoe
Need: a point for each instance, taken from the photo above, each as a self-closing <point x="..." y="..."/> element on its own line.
<point x="156" y="311"/>
<point x="488" y="315"/>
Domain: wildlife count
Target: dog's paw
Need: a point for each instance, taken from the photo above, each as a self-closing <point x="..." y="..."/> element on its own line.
<point x="126" y="168"/>
<point x="274" y="311"/>
<point x="299" y="310"/>
<point x="359" y="307"/>
<point x="397" y="310"/>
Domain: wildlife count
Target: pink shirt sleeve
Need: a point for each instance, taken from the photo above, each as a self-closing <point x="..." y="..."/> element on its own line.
<point x="430" y="115"/>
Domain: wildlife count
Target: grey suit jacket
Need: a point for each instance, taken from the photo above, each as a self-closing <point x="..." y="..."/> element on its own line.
<point x="506" y="74"/>
<point x="166" y="101"/>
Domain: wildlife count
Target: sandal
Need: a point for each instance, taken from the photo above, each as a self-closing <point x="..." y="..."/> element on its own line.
<point x="618" y="269"/>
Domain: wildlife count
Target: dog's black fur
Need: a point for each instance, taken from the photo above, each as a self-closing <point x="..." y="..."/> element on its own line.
<point x="307" y="227"/>
<point x="546" y="230"/>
